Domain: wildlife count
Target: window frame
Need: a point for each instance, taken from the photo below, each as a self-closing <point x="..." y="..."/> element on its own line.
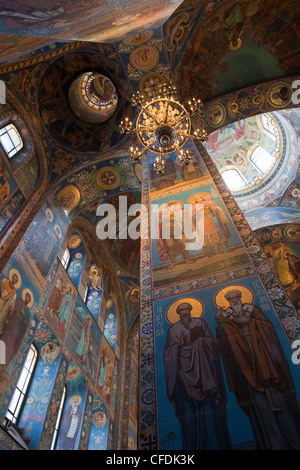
<point x="262" y="154"/>
<point x="239" y="174"/>
<point x="58" y="421"/>
<point x="15" y="147"/>
<point x="86" y="293"/>
<point x="65" y="263"/>
<point x="16" y="414"/>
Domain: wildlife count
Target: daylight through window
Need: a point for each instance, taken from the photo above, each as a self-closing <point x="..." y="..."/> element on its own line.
<point x="11" y="140"/>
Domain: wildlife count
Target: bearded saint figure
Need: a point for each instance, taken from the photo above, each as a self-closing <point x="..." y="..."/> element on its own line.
<point x="258" y="373"/>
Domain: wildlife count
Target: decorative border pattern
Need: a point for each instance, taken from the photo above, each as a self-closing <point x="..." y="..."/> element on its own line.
<point x="38" y="59"/>
<point x="245" y="102"/>
<point x="147" y="438"/>
<point x="195" y="284"/>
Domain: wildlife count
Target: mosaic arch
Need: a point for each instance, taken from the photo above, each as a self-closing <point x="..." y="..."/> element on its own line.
<point x="224" y="42"/>
<point x="30" y="171"/>
<point x="161" y="433"/>
<point x="104" y="179"/>
<point x="100" y="425"/>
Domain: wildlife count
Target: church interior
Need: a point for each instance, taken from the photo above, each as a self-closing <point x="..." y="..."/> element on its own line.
<point x="124" y="342"/>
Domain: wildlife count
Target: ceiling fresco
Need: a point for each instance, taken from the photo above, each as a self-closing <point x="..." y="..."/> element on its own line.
<point x="12" y="45"/>
<point x="246" y="41"/>
<point x="59" y="120"/>
<point x="86" y="20"/>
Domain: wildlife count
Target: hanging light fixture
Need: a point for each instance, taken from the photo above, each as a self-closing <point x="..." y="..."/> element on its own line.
<point x="163" y="125"/>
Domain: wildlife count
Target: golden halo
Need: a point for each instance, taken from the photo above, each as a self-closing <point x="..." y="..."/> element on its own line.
<point x="205" y="196"/>
<point x="197" y="309"/>
<point x="94" y="272"/>
<point x="28" y="291"/>
<point x="10" y="275"/>
<point x="58" y="230"/>
<point x="235" y="48"/>
<point x="69" y="197"/>
<point x="221" y="301"/>
<point x="170" y="203"/>
<point x="49" y="214"/>
<point x="75" y="396"/>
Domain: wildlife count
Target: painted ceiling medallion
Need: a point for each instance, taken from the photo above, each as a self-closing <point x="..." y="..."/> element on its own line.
<point x="279" y="94"/>
<point x="93" y="97"/>
<point x="138" y="39"/>
<point x="108" y="178"/>
<point x="144" y="58"/>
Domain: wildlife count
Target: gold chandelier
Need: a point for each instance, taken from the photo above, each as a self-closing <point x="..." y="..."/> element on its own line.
<point x="163" y="125"/>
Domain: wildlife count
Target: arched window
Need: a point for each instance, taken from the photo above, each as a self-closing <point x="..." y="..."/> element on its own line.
<point x="58" y="419"/>
<point x="84" y="297"/>
<point x="21" y="389"/>
<point x="66" y="258"/>
<point x="110" y="323"/>
<point x="10" y="140"/>
<point x="234" y="179"/>
<point x="94" y="292"/>
<point x="262" y="160"/>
